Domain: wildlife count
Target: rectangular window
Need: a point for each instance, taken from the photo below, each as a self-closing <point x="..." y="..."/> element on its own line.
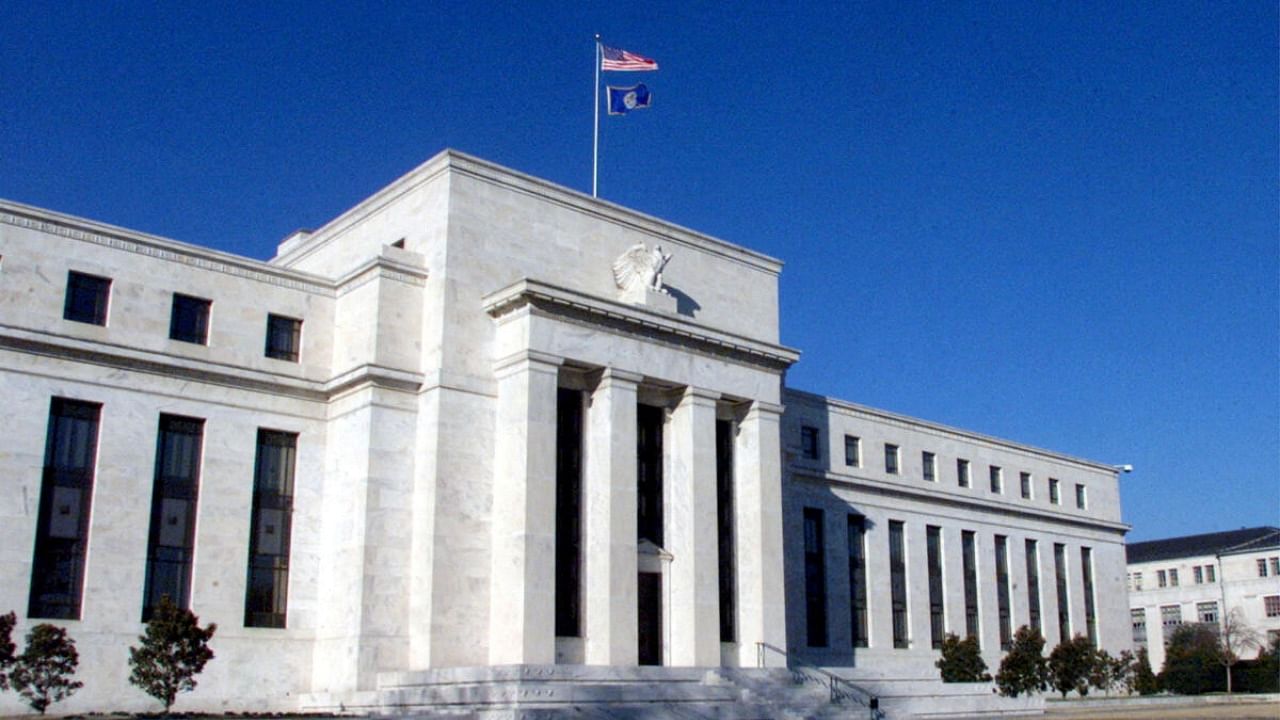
<point x="568" y="539"/>
<point x="1199" y="574"/>
<point x="271" y="530"/>
<point x="997" y="479"/>
<point x="174" y="494"/>
<point x="1170" y="618"/>
<point x="898" y="583"/>
<point x="1064" y="603"/>
<point x="1090" y="606"/>
<point x="1033" y="585"/>
<point x="649" y="480"/>
<point x="1262" y="567"/>
<point x="937" y="614"/>
<point x="1271" y="605"/>
<point x="1275" y="566"/>
<point x="891" y="459"/>
<point x="969" y="554"/>
<point x="1137" y="581"/>
<point x="815" y="579"/>
<point x="1210" y="574"/>
<point x="725" y="534"/>
<point x="1173" y="577"/>
<point x="962" y="472"/>
<point x="927" y="460"/>
<point x="1207" y="612"/>
<point x="1002" y="592"/>
<point x="852" y="451"/>
<point x="87" y="298"/>
<point x="1024" y="480"/>
<point x="1055" y="494"/>
<point x="1081" y="500"/>
<point x="1162" y="578"/>
<point x="189" y="321"/>
<point x="66" y="491"/>
<point x="284" y="337"/>
<point x="858" y="579"/>
<point x="809" y="442"/>
<point x="1138" y="620"/>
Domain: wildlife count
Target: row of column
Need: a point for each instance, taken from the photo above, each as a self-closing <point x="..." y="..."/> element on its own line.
<point x="522" y="585"/>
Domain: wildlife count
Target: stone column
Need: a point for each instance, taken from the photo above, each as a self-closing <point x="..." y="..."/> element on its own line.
<point x="690" y="489"/>
<point x="758" y="508"/>
<point x="522" y="568"/>
<point x="609" y="522"/>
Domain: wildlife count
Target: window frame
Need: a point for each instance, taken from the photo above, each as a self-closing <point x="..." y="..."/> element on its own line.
<point x="292" y="353"/>
<point x="87" y="287"/>
<point x="892" y="459"/>
<point x="197" y="309"/>
<point x="996" y="475"/>
<point x="963" y="478"/>
<point x="929" y="466"/>
<point x="1026" y="482"/>
<point x="810" y="448"/>
<point x="852" y="451"/>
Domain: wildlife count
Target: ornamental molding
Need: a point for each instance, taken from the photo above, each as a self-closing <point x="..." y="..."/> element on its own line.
<point x="598" y="312"/>
<point x="168" y="250"/>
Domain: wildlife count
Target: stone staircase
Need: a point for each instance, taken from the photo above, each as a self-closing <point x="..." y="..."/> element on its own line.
<point x="580" y="692"/>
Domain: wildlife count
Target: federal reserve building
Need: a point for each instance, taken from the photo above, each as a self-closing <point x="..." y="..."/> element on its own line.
<point x="485" y="444"/>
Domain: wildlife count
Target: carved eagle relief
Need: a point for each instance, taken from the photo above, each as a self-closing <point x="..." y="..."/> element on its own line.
<point x="639" y="267"/>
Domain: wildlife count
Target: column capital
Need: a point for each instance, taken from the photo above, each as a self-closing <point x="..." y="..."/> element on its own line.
<point x="612" y="375"/>
<point x="527" y="360"/>
<point x="761" y="407"/>
<point x="699" y="395"/>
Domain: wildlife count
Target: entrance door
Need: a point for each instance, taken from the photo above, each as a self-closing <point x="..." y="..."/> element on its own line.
<point x="650" y="617"/>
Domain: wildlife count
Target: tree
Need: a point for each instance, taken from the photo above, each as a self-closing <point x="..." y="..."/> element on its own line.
<point x="6" y="647"/>
<point x="1024" y="669"/>
<point x="962" y="660"/>
<point x="1235" y="637"/>
<point x="172" y="651"/>
<point x="42" y="673"/>
<point x="1070" y="664"/>
<point x="1144" y="681"/>
<point x="1192" y="658"/>
<point x="1120" y="672"/>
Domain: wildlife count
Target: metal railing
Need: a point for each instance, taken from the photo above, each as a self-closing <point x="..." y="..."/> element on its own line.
<point x="841" y="690"/>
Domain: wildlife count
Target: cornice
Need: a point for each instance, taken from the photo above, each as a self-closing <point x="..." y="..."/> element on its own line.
<point x="117" y="238"/>
<point x="979" y="504"/>
<point x="203" y="371"/>
<point x="560" y="301"/>
<point x="845" y="407"/>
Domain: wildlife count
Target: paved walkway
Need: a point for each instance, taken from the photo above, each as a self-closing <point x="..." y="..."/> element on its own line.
<point x="1191" y="710"/>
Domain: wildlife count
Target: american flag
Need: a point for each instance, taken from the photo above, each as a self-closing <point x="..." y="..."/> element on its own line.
<point x="615" y="59"/>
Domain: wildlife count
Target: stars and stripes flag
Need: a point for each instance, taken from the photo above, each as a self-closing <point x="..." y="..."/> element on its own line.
<point x="622" y="60"/>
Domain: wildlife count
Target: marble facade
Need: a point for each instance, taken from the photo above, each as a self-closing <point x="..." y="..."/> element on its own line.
<point x="440" y="318"/>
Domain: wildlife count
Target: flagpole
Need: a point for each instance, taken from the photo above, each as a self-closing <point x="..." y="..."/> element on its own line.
<point x="595" y="141"/>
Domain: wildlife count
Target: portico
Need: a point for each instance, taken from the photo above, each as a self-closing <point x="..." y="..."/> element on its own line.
<point x="657" y="392"/>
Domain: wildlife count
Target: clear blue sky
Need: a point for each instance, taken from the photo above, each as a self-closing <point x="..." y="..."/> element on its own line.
<point x="1054" y="222"/>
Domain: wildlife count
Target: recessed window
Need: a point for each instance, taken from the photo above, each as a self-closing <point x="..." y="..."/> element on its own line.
<point x="1025" y="479"/>
<point x="1055" y="492"/>
<point x="1198" y="572"/>
<point x="891" y="459"/>
<point x="1271" y="605"/>
<point x="1081" y="499"/>
<point x="852" y="451"/>
<point x="1207" y="612"/>
<point x="1210" y="574"/>
<point x="809" y="442"/>
<point x="1162" y="578"/>
<point x="1262" y="567"/>
<point x="190" y="319"/>
<point x="284" y="337"/>
<point x="928" y="460"/>
<point x="87" y="297"/>
<point x="962" y="472"/>
<point x="1275" y="566"/>
<point x="997" y="479"/>
<point x="1173" y="577"/>
<point x="1170" y="617"/>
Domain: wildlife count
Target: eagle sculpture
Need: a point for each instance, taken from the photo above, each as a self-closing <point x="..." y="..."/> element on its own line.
<point x="639" y="267"/>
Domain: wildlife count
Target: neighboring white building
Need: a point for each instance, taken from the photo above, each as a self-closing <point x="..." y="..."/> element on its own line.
<point x="480" y="420"/>
<point x="1201" y="578"/>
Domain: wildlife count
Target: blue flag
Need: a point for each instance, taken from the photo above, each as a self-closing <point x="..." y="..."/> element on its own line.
<point x="623" y="100"/>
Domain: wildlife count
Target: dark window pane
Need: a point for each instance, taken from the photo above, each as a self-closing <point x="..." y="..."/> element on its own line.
<point x="649" y="519"/>
<point x="62" y="530"/>
<point x="858" y="579"/>
<point x="809" y="442"/>
<point x="969" y="553"/>
<point x="267" y="587"/>
<point x="86" y="299"/>
<point x="189" y="321"/>
<point x="815" y="579"/>
<point x="1002" y="592"/>
<point x="898" y="583"/>
<point x="171" y="542"/>
<point x="568" y="512"/>
<point x="937" y="621"/>
<point x="1090" y="612"/>
<point x="724" y="531"/>
<point x="1033" y="585"/>
<point x="284" y="337"/>
<point x="1060" y="576"/>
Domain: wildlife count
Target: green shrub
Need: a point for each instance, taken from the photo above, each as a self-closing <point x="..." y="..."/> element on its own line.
<point x="42" y="673"/>
<point x="1193" y="661"/>
<point x="1144" y="681"/>
<point x="172" y="651"/>
<point x="1070" y="664"/>
<point x="962" y="660"/>
<point x="1024" y="670"/>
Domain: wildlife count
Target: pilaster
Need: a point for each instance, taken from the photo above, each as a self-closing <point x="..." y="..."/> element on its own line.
<point x="758" y="507"/>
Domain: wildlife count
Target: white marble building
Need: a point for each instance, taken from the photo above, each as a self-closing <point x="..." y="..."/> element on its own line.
<point x="1201" y="579"/>
<point x="481" y="420"/>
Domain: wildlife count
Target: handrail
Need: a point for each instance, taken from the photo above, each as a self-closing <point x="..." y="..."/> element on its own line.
<point x="840" y="688"/>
